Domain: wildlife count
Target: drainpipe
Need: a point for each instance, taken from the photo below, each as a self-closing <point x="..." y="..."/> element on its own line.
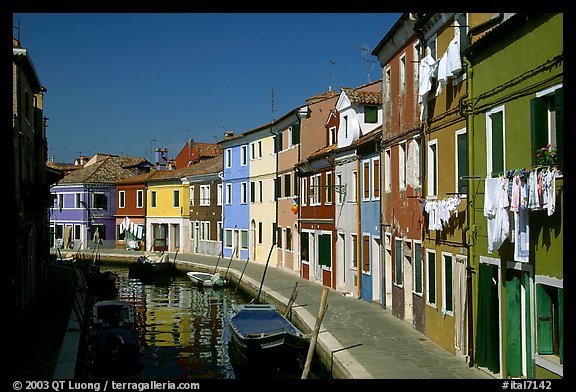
<point x="359" y="265"/>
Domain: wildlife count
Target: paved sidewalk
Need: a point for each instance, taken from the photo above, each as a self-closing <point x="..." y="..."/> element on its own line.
<point x="357" y="340"/>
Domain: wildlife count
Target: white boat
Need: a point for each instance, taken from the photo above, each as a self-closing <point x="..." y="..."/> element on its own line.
<point x="205" y="279"/>
<point x="113" y="314"/>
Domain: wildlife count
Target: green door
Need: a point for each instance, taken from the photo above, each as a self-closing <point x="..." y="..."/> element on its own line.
<point x="513" y="324"/>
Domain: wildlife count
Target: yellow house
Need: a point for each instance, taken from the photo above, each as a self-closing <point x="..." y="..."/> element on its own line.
<point x="168" y="211"/>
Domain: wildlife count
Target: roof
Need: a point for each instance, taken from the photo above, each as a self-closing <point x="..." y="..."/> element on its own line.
<point x="209" y="166"/>
<point x="104" y="169"/>
<point x="363" y="97"/>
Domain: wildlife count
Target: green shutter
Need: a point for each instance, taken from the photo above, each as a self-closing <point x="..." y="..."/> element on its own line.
<point x="398" y="257"/>
<point x="544" y="332"/>
<point x="497" y="120"/>
<point x="432" y="278"/>
<point x="448" y="277"/>
<point x="561" y="323"/>
<point x="418" y="267"/>
<point x="538" y="125"/>
<point x="325" y="250"/>
<point x="370" y="114"/>
<point x="462" y="141"/>
<point x="295" y="133"/>
<point x="559" y="101"/>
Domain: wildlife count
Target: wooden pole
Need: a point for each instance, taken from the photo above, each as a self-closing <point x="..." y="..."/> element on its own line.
<point x="312" y="347"/>
<point x="241" y="275"/>
<point x="291" y="301"/>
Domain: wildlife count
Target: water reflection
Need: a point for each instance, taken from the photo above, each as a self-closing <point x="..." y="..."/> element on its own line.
<point x="183" y="328"/>
<point x="185" y="333"/>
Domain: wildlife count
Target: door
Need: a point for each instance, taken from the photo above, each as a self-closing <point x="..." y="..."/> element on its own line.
<point x="518" y="357"/>
<point x="376" y="269"/>
<point x="160" y="233"/>
<point x="488" y="320"/>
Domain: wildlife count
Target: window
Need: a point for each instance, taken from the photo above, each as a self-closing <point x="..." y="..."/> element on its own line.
<point x="416" y="57"/>
<point x="398" y="262"/>
<point x="331" y="136"/>
<point x="287" y="185"/>
<point x="288" y="239"/>
<point x="228" y="193"/>
<point x="402" y="164"/>
<point x="139" y="198"/>
<point x="260" y="233"/>
<point x="205" y="195"/>
<point x="219" y="231"/>
<point x="388" y="172"/>
<point x="259" y="149"/>
<point x="546" y="119"/>
<point x="260" y="190"/>
<point x="550" y="320"/>
<point x="339" y="189"/>
<point x="243" y="155"/>
<point x="243" y="193"/>
<point x="366" y="254"/>
<point x="461" y="161"/>
<point x="312" y="189"/>
<point x="418" y="275"/>
<point x="78" y="200"/>
<point x="431" y="278"/>
<point x="370" y="114"/>
<point x="403" y="74"/>
<point x="252" y="151"/>
<point x="228" y="238"/>
<point x="175" y="198"/>
<point x="219" y="195"/>
<point x="354" y="184"/>
<point x="153" y="198"/>
<point x="346" y="127"/>
<point x="295" y="134"/>
<point x="325" y="250"/>
<point x="304" y="188"/>
<point x="244" y="239"/>
<point x="278" y="236"/>
<point x="99" y="200"/>
<point x="304" y="247"/>
<point x="432" y="168"/>
<point x="329" y="188"/>
<point x="228" y="158"/>
<point x="387" y="85"/>
<point x="366" y="180"/>
<point x="277" y="188"/>
<point x="121" y="199"/>
<point x="447" y="296"/>
<point x="495" y="141"/>
<point x="296" y="182"/>
<point x="354" y="250"/>
<point x="375" y="178"/>
<point x="191" y="195"/>
<point x="205" y="230"/>
<point x="252" y="191"/>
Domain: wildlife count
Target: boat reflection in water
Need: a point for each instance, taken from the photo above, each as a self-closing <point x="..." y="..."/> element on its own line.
<point x="184" y="330"/>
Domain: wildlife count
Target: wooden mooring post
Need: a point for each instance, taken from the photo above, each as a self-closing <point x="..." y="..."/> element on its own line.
<point x="312" y="346"/>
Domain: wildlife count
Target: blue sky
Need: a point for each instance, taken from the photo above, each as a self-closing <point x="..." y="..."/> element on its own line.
<point x="126" y="83"/>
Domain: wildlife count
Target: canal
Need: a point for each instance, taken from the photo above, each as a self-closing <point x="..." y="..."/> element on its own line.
<point x="184" y="330"/>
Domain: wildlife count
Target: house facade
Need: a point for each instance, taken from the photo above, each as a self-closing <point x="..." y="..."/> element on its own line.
<point x="206" y="195"/>
<point x="28" y="181"/>
<point x="445" y="187"/>
<point x="515" y="114"/>
<point x="83" y="214"/>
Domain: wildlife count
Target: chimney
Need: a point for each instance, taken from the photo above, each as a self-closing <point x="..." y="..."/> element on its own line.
<point x="161" y="159"/>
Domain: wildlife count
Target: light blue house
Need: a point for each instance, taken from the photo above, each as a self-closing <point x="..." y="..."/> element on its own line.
<point x="236" y="207"/>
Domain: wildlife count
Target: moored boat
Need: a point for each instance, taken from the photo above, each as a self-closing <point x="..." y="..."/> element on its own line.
<point x="205" y="279"/>
<point x="263" y="336"/>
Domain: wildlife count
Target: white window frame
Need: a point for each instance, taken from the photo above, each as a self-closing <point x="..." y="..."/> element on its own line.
<point x="176" y="198"/>
<point x="243" y="192"/>
<point x="432" y="168"/>
<point x="374" y="179"/>
<point x="219" y="195"/>
<point x="456" y="157"/>
<point x="489" y="138"/>
<point x="121" y="199"/>
<point x="139" y="198"/>
<point x="191" y="195"/>
<point x="444" y="293"/>
<point x="228" y="156"/>
<point x="387" y="170"/>
<point x="402" y="164"/>
<point x="228" y="193"/>
<point x="402" y="77"/>
<point x="205" y="195"/>
<point x="243" y="155"/>
<point x="428" y="252"/>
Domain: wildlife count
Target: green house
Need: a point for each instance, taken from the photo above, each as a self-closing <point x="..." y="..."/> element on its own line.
<point x="514" y="109"/>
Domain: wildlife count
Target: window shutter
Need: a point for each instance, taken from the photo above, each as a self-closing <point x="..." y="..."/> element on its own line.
<point x="325" y="250"/>
<point x="538" y="125"/>
<point x="295" y="133"/>
<point x="544" y="332"/>
<point x="462" y="162"/>
<point x="559" y="101"/>
<point x="497" y="143"/>
<point x="376" y="178"/>
<point x="366" y="253"/>
<point x="366" y="180"/>
<point x="398" y="258"/>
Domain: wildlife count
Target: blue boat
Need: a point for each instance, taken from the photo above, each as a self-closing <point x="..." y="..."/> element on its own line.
<point x="265" y="337"/>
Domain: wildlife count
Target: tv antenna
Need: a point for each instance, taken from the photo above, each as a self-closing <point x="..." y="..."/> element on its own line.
<point x="272" y="102"/>
<point x="17" y="28"/>
<point x="369" y="63"/>
<point x="332" y="76"/>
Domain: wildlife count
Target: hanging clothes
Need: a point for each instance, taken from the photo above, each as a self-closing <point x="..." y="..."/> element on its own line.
<point x="427" y="71"/>
<point x="521" y="236"/>
<point x="496" y="211"/>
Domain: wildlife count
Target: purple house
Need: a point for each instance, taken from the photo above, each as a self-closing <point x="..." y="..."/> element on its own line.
<point x="84" y="208"/>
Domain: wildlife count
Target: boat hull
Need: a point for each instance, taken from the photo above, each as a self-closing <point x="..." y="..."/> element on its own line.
<point x="264" y="337"/>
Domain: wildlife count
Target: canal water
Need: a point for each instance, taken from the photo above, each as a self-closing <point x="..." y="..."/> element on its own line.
<point x="185" y="333"/>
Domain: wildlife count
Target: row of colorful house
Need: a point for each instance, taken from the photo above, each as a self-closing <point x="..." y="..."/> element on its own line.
<point x="423" y="192"/>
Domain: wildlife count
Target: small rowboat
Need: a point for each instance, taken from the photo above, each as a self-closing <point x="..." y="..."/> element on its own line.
<point x="204" y="279"/>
